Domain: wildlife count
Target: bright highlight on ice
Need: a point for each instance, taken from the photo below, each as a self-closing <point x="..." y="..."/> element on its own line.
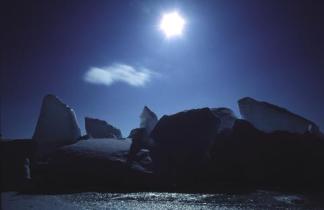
<point x="172" y="24"/>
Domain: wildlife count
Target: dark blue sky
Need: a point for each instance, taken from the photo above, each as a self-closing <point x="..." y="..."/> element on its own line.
<point x="269" y="50"/>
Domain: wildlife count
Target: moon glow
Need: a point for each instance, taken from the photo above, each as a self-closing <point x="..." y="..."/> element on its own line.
<point x="172" y="24"/>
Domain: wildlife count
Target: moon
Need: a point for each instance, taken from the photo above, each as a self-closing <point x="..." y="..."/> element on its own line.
<point x="172" y="24"/>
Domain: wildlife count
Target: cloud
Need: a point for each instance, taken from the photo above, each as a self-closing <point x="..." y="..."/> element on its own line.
<point x="118" y="73"/>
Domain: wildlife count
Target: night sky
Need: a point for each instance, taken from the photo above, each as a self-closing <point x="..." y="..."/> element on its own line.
<point x="268" y="50"/>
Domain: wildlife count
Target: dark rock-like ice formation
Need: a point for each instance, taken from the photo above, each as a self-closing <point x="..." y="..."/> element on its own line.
<point x="56" y="126"/>
<point x="268" y="117"/>
<point x="15" y="168"/>
<point x="101" y="129"/>
<point x="226" y="116"/>
<point x="182" y="141"/>
<point x="132" y="133"/>
<point x="280" y="158"/>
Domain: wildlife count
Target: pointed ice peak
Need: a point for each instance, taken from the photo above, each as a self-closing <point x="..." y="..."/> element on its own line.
<point x="148" y="112"/>
<point x="148" y="119"/>
<point x="56" y="126"/>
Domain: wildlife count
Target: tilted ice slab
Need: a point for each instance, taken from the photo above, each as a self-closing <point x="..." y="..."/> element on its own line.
<point x="101" y="129"/>
<point x="268" y="117"/>
<point x="56" y="126"/>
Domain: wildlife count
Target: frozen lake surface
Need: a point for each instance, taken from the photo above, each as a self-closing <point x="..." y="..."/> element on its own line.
<point x="158" y="200"/>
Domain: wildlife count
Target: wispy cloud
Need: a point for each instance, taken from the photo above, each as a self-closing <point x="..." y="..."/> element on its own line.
<point x="118" y="73"/>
